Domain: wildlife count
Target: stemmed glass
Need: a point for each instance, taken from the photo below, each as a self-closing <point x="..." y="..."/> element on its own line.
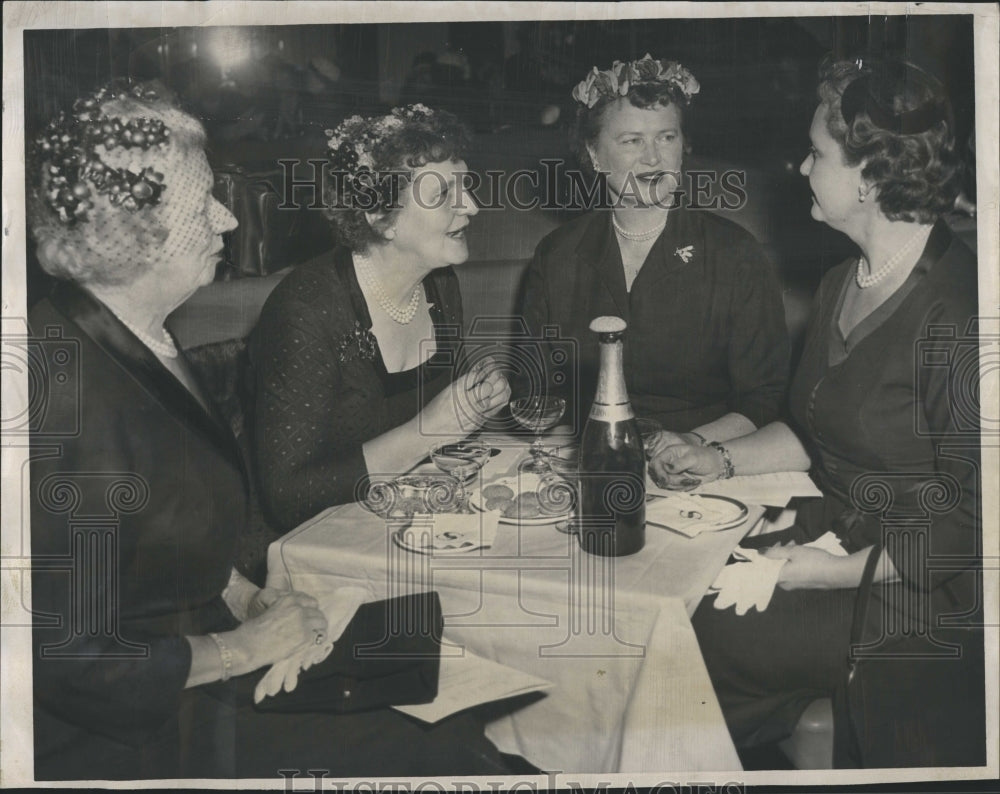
<point x="649" y="429"/>
<point x="462" y="460"/>
<point x="537" y="414"/>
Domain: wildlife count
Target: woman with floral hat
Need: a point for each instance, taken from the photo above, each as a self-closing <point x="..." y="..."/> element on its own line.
<point x="354" y="352"/>
<point x="707" y="348"/>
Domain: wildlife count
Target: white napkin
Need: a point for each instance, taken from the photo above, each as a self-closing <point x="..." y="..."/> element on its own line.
<point x="451" y="532"/>
<point x="689" y="515"/>
<point x="339" y="607"/>
<point x="751" y="583"/>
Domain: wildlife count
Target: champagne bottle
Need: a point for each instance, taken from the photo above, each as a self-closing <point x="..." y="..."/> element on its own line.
<point x="612" y="520"/>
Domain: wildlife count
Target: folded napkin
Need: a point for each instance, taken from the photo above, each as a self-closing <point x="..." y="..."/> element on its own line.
<point x="339" y="607"/>
<point x="450" y="532"/>
<point x="751" y="581"/>
<point x="688" y="514"/>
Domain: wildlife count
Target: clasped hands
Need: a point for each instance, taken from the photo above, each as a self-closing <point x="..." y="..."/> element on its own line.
<point x="679" y="462"/>
<point x="291" y="631"/>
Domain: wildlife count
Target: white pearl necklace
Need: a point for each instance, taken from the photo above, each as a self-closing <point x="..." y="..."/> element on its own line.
<point x="164" y="347"/>
<point x="638" y="237"/>
<point x="875" y="277"/>
<point x="402" y="316"/>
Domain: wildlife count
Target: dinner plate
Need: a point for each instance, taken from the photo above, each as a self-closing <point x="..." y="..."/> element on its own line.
<point x="692" y="514"/>
<point x="528" y="483"/>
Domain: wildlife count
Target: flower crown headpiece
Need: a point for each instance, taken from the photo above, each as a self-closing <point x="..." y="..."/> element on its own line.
<point x="616" y="81"/>
<point x="68" y="147"/>
<point x="353" y="143"/>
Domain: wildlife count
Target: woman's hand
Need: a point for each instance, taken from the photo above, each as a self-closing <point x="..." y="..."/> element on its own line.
<point x="681" y="467"/>
<point x="667" y="438"/>
<point x="806" y="568"/>
<point x="470" y="400"/>
<point x="261" y="599"/>
<point x="289" y="623"/>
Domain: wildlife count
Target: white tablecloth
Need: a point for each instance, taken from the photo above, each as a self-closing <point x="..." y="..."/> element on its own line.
<point x="630" y="692"/>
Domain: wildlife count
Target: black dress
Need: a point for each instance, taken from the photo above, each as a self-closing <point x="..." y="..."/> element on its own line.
<point x="890" y="415"/>
<point x="137" y="496"/>
<point x="706" y="324"/>
<point x="323" y="389"/>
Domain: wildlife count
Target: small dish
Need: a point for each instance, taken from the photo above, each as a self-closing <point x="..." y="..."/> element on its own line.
<point x="412" y="494"/>
<point x="692" y="514"/>
<point x="445" y="533"/>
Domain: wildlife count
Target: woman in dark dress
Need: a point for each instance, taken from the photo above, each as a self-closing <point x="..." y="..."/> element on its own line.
<point x="354" y="352"/>
<point x="707" y="346"/>
<point x="148" y="645"/>
<point x="885" y="401"/>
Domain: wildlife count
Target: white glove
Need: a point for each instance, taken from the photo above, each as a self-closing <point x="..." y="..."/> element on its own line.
<point x="747" y="584"/>
<point x="339" y="607"/>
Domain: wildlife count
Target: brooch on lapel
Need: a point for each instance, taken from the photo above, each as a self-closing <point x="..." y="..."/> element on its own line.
<point x="685" y="253"/>
<point x="357" y="344"/>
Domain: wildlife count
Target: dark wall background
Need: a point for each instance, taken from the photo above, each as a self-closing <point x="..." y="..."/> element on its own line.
<point x="268" y="92"/>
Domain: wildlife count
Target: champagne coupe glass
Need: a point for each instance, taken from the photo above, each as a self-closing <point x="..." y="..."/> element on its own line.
<point x="462" y="460"/>
<point x="537" y="414"/>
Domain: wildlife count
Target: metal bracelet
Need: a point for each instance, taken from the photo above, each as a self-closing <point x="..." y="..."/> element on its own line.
<point x="226" y="654"/>
<point x="727" y="460"/>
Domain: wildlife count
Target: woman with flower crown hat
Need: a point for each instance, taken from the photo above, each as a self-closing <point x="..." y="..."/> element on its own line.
<point x="707" y="351"/>
<point x="138" y="492"/>
<point x="354" y="352"/>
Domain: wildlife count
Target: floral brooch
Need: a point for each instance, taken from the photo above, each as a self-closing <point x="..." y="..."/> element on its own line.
<point x="358" y="344"/>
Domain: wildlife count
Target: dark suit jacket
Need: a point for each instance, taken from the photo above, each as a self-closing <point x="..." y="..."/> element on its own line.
<point x="891" y="416"/>
<point x="706" y="326"/>
<point x="137" y="496"/>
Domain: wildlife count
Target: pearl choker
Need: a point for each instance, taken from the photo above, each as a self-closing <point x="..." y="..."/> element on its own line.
<point x="403" y="316"/>
<point x="164" y="347"/>
<point x="638" y="237"/>
<point x="876" y="276"/>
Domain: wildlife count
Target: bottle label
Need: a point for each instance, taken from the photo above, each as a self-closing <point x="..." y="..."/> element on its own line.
<point x="619" y="412"/>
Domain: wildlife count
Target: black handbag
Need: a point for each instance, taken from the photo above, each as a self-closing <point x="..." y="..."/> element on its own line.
<point x="389" y="655"/>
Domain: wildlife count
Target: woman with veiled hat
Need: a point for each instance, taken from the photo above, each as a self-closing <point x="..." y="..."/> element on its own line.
<point x="707" y="349"/>
<point x="886" y="614"/>
<point x="149" y="646"/>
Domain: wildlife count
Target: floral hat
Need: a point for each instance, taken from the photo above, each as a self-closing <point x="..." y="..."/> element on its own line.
<point x="73" y="149"/>
<point x="616" y="81"/>
<point x="354" y="141"/>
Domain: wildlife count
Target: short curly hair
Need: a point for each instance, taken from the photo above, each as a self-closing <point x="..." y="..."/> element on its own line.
<point x="113" y="245"/>
<point x="897" y="120"/>
<point x="589" y="120"/>
<point x="436" y="137"/>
